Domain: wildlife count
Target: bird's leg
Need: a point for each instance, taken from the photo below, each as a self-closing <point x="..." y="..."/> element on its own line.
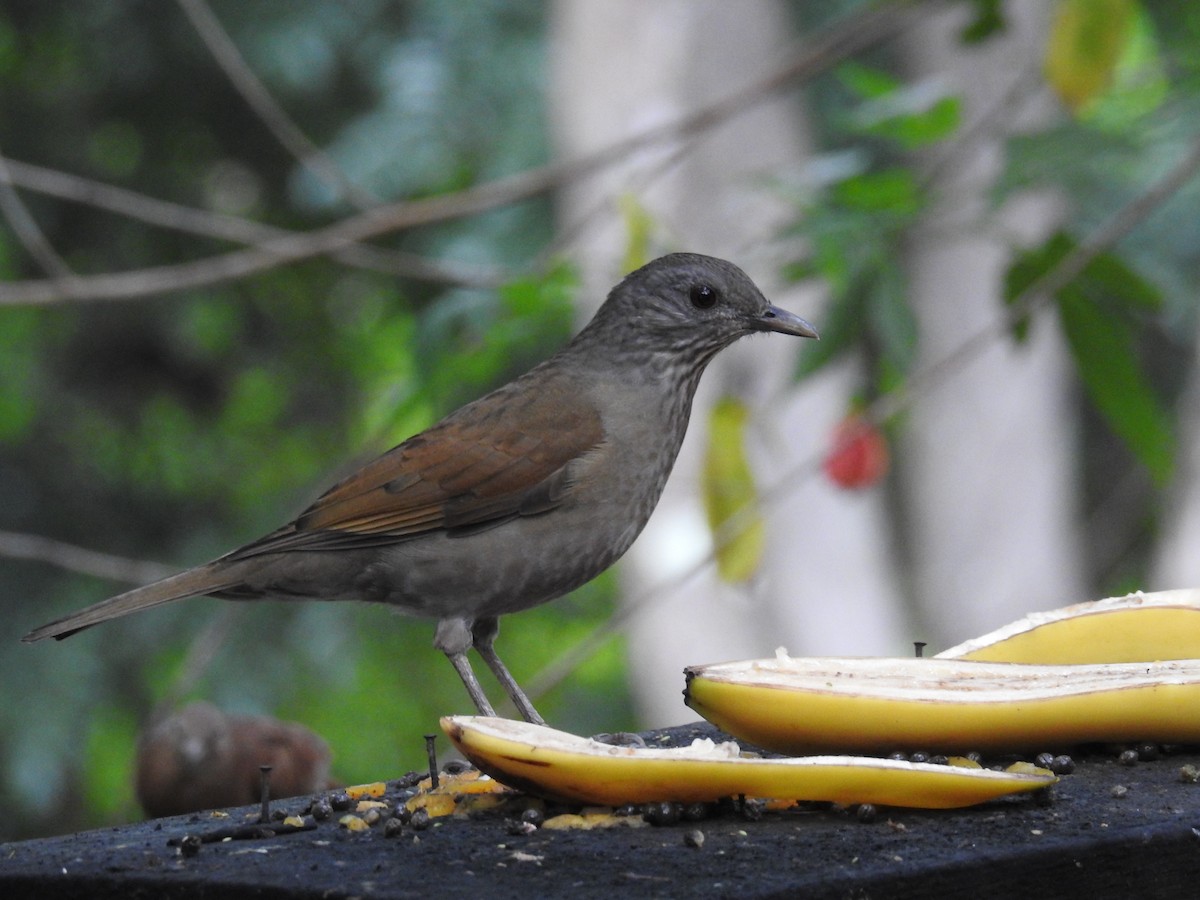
<point x="485" y="631"/>
<point x="453" y="637"/>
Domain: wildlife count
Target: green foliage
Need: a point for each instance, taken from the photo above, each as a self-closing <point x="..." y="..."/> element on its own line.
<point x="175" y="428"/>
<point x="1097" y="311"/>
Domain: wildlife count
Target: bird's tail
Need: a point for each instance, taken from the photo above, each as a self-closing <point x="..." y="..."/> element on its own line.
<point x="207" y="579"/>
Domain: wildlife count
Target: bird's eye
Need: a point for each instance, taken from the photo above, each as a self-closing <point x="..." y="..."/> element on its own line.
<point x="704" y="296"/>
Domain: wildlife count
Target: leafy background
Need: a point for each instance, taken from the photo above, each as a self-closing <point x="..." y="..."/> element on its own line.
<point x="176" y="425"/>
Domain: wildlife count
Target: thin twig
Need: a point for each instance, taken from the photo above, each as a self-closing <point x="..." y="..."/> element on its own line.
<point x="16" y="545"/>
<point x="32" y="238"/>
<point x="273" y="116"/>
<point x="847" y="37"/>
<point x="189" y="220"/>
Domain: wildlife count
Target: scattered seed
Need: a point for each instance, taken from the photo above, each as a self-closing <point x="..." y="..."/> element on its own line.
<point x="189" y="846"/>
<point x="1119" y="791"/>
<point x="694" y="838"/>
<point x="340" y="801"/>
<point x="696" y="812"/>
<point x="420" y="819"/>
<point x="1128" y="758"/>
<point x="1062" y="765"/>
<point x="1044" y="760"/>
<point x="753" y="808"/>
<point x="664" y="813"/>
<point x="392" y="828"/>
<point x="1189" y="774"/>
<point x="534" y="817"/>
<point x="320" y="809"/>
<point x="866" y="812"/>
<point x="1148" y="752"/>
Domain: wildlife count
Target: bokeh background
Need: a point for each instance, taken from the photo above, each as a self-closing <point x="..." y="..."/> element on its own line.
<point x="246" y="246"/>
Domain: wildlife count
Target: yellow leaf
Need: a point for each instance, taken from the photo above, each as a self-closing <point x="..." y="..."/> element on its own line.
<point x="639" y="225"/>
<point x="730" y="494"/>
<point x="1086" y="40"/>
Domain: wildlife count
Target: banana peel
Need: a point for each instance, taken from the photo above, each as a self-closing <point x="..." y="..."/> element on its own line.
<point x="795" y="705"/>
<point x="562" y="766"/>
<point x="1135" y="628"/>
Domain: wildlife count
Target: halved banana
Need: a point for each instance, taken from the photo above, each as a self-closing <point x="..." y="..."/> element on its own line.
<point x="795" y="705"/>
<point x="1133" y="628"/>
<point x="562" y="766"/>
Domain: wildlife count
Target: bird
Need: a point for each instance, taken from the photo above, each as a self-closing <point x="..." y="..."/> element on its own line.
<point x="516" y="498"/>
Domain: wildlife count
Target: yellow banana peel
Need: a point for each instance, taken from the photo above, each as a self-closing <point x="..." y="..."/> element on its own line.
<point x="796" y="705"/>
<point x="1135" y="628"/>
<point x="563" y="766"/>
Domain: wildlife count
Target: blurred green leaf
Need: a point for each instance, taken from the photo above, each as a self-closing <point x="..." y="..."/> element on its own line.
<point x="1107" y="364"/>
<point x="728" y="486"/>
<point x="988" y="20"/>
<point x="1097" y="315"/>
<point x="639" y="228"/>
<point x="1086" y="40"/>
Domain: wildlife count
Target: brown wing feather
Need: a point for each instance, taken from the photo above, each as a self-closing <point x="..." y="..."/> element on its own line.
<point x="489" y="461"/>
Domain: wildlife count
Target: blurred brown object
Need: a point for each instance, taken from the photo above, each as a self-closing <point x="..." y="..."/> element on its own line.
<point x="201" y="758"/>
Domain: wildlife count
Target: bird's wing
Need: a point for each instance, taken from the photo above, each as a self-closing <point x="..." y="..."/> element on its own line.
<point x="506" y="455"/>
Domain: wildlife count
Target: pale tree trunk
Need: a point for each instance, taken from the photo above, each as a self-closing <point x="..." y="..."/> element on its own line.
<point x="989" y="458"/>
<point x="621" y="66"/>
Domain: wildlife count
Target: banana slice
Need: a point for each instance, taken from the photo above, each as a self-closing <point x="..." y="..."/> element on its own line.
<point x="794" y="705"/>
<point x="1134" y="628"/>
<point x="562" y="766"/>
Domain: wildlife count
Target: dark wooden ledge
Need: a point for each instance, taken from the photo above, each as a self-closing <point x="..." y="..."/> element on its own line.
<point x="1109" y="830"/>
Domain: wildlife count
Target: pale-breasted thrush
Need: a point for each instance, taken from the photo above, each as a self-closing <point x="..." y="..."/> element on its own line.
<point x="514" y="499"/>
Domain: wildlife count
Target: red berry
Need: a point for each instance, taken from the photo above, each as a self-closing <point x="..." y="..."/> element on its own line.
<point x="859" y="456"/>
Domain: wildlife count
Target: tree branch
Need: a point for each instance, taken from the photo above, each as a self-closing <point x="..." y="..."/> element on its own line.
<point x="273" y="116"/>
<point x="190" y="220"/>
<point x="850" y="35"/>
<point x="36" y="548"/>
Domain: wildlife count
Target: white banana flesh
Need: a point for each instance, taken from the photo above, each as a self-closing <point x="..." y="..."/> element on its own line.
<point x="1134" y="628"/>
<point x="566" y="767"/>
<point x="795" y="705"/>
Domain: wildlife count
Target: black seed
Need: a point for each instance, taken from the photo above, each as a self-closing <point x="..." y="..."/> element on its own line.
<point x="939" y="760"/>
<point x="534" y="817"/>
<point x="1148" y="752"/>
<point x="919" y="756"/>
<point x="189" y="846"/>
<point x="866" y="812"/>
<point x="664" y="813"/>
<point x="321" y="810"/>
<point x="753" y="809"/>
<point x="392" y="827"/>
<point x="696" y="812"/>
<point x="1062" y="765"/>
<point x="694" y="838"/>
<point x="340" y="801"/>
<point x="420" y="819"/>
<point x="1128" y="758"/>
<point x="1044" y="760"/>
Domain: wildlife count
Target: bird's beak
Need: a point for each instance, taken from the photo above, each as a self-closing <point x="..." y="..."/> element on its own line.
<point x="776" y="319"/>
